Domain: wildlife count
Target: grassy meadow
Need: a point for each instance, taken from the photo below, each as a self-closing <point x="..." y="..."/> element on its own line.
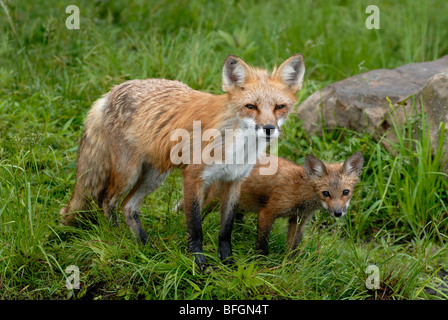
<point x="50" y="76"/>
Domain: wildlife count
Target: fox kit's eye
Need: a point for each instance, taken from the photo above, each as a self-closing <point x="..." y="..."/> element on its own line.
<point x="251" y="107"/>
<point x="345" y="192"/>
<point x="280" y="106"/>
<point x="326" y="194"/>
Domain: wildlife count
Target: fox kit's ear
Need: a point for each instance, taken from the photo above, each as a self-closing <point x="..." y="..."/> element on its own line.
<point x="353" y="164"/>
<point x="234" y="72"/>
<point x="314" y="167"/>
<point x="291" y="72"/>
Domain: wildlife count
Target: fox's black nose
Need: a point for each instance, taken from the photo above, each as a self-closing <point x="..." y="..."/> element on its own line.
<point x="337" y="213"/>
<point x="269" y="128"/>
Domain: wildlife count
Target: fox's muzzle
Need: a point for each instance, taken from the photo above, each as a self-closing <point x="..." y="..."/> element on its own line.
<point x="337" y="212"/>
<point x="267" y="131"/>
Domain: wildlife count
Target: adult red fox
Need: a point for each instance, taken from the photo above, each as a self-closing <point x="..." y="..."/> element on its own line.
<point x="127" y="145"/>
<point x="296" y="192"/>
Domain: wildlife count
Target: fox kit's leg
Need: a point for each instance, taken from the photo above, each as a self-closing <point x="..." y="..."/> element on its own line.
<point x="229" y="201"/>
<point x="149" y="180"/>
<point x="264" y="226"/>
<point x="211" y="196"/>
<point x="295" y="230"/>
<point x="192" y="192"/>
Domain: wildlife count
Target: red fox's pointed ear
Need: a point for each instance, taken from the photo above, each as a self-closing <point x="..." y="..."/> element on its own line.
<point x="353" y="164"/>
<point x="314" y="167"/>
<point x="291" y="72"/>
<point x="234" y="72"/>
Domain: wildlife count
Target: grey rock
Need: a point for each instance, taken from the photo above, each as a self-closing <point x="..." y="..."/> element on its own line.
<point x="361" y="102"/>
<point x="434" y="98"/>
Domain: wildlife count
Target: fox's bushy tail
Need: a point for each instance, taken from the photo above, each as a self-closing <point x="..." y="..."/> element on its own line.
<point x="93" y="164"/>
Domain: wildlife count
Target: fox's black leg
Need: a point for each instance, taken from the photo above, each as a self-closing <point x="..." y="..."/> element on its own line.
<point x="194" y="238"/>
<point x="229" y="204"/>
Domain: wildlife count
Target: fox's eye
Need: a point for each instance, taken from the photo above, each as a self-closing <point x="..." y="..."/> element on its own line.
<point x="326" y="194"/>
<point x="345" y="192"/>
<point x="251" y="107"/>
<point x="280" y="106"/>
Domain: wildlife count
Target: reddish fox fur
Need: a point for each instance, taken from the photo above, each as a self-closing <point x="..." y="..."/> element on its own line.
<point x="296" y="192"/>
<point x="126" y="145"/>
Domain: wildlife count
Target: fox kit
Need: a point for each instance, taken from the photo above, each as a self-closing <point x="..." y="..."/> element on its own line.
<point x="296" y="192"/>
<point x="126" y="146"/>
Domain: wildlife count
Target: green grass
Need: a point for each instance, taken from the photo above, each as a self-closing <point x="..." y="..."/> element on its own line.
<point x="49" y="77"/>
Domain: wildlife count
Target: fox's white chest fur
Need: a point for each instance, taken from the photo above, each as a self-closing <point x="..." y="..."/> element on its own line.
<point x="240" y="159"/>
